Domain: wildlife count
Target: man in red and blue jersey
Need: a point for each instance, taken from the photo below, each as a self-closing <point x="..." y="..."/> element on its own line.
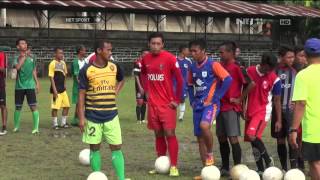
<point x="207" y="83"/>
<point x="287" y="75"/>
<point x="267" y="87"/>
<point x="161" y="68"/>
<point x="184" y="64"/>
<point x="3" y="107"/>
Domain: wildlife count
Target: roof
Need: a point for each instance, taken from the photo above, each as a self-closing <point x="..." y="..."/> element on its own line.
<point x="168" y="7"/>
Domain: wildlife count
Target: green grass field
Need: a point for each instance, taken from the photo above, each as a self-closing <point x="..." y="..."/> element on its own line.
<point x="54" y="154"/>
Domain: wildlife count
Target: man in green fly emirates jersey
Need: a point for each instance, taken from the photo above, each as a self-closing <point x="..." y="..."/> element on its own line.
<point x="77" y="63"/>
<point x="27" y="85"/>
<point x="99" y="84"/>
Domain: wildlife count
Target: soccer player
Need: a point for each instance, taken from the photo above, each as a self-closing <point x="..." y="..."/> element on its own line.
<point x="228" y="120"/>
<point x="306" y="111"/>
<point x="77" y="64"/>
<point x="3" y="107"/>
<point x="141" y="97"/>
<point x="300" y="61"/>
<point x="287" y="75"/>
<point x="60" y="99"/>
<point x="184" y="64"/>
<point x="100" y="83"/>
<point x="27" y="84"/>
<point x="161" y="67"/>
<point x="259" y="107"/>
<point x="207" y="83"/>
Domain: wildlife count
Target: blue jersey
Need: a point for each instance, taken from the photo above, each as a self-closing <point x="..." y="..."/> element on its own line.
<point x="208" y="80"/>
<point x="184" y="65"/>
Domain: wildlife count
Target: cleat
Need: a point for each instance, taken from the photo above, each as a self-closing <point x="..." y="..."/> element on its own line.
<point x="65" y="126"/>
<point x="3" y="132"/>
<point x="209" y="160"/>
<point x="35" y="132"/>
<point x="174" y="172"/>
<point x="180" y="120"/>
<point x="152" y="171"/>
<point x="197" y="178"/>
<point x="16" y="130"/>
<point x="55" y="127"/>
<point x="139" y="122"/>
<point x="270" y="163"/>
<point x="224" y="172"/>
<point x="144" y="121"/>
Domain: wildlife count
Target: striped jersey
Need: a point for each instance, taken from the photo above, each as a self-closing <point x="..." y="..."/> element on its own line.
<point x="100" y="85"/>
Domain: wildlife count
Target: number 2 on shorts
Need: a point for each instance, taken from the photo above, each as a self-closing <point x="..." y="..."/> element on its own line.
<point x="92" y="130"/>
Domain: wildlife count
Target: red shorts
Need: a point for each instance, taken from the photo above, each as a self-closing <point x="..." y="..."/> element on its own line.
<point x="254" y="127"/>
<point x="161" y="117"/>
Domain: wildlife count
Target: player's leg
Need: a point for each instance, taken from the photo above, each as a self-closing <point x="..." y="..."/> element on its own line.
<point x="19" y="98"/>
<point x="143" y="111"/>
<point x="66" y="105"/>
<point x="314" y="169"/>
<point x="93" y="135"/>
<point x="300" y="156"/>
<point x="139" y="102"/>
<point x="112" y="133"/>
<point x="32" y="102"/>
<point x="182" y="109"/>
<point x="232" y="124"/>
<point x="75" y="119"/>
<point x="4" y="111"/>
<point x="223" y="143"/>
<point x="55" y="106"/>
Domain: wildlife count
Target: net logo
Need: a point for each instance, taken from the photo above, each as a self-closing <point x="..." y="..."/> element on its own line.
<point x="156" y="77"/>
<point x="285" y="22"/>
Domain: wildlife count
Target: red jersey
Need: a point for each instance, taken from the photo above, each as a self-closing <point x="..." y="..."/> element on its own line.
<point x="260" y="96"/>
<point x="160" y="70"/>
<point x="235" y="88"/>
<point x="3" y="65"/>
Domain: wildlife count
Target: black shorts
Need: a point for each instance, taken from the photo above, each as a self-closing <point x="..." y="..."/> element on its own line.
<point x="228" y="124"/>
<point x="2" y="97"/>
<point x="29" y="93"/>
<point x="311" y="151"/>
<point x="287" y="118"/>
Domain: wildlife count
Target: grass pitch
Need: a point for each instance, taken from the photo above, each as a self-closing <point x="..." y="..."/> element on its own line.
<point x="54" y="153"/>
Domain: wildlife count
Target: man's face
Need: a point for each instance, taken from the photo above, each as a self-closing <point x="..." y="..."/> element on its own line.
<point x="288" y="58"/>
<point x="59" y="54"/>
<point x="186" y="52"/>
<point x="224" y="54"/>
<point x="156" y="45"/>
<point x="22" y="46"/>
<point x="301" y="58"/>
<point x="82" y="52"/>
<point x="265" y="69"/>
<point x="197" y="53"/>
<point x="106" y="51"/>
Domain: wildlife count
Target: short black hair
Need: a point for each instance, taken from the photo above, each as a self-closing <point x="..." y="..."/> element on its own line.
<point x="199" y="42"/>
<point x="182" y="47"/>
<point x="57" y="48"/>
<point x="269" y="59"/>
<point x="298" y="49"/>
<point x="79" y="48"/>
<point x="100" y="44"/>
<point x="21" y="39"/>
<point x="156" y="35"/>
<point x="282" y="51"/>
<point x="230" y="46"/>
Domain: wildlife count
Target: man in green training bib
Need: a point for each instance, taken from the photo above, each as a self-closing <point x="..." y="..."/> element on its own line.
<point x="77" y="63"/>
<point x="27" y="84"/>
<point x="99" y="83"/>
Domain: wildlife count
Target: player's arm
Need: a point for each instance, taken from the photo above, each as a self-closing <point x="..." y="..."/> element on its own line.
<point x="247" y="85"/>
<point x="35" y="76"/>
<point x="120" y="79"/>
<point x="190" y="87"/>
<point x="83" y="86"/>
<point x="21" y="59"/>
<point x="179" y="80"/>
<point x="224" y="77"/>
<point x="137" y="73"/>
<point x="276" y="91"/>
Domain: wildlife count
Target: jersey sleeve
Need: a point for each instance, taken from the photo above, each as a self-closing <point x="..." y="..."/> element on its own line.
<point x="75" y="68"/>
<point x="83" y="79"/>
<point x="300" y="90"/>
<point x="276" y="89"/>
<point x="137" y="68"/>
<point x="3" y="61"/>
<point x="51" y="69"/>
<point x="119" y="75"/>
<point x="65" y="68"/>
<point x="219" y="71"/>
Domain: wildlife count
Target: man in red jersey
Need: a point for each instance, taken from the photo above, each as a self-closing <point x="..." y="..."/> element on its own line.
<point x="161" y="67"/>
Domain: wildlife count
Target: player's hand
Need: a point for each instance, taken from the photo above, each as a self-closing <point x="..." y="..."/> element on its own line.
<point x="81" y="125"/>
<point x="243" y="115"/>
<point x="293" y="140"/>
<point x="278" y="126"/>
<point x="55" y="95"/>
<point x="141" y="90"/>
<point x="235" y="100"/>
<point x="22" y="56"/>
<point x="173" y="105"/>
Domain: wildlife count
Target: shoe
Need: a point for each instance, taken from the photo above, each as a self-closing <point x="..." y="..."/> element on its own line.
<point x="35" y="132"/>
<point x="139" y="122"/>
<point x="260" y="173"/>
<point x="270" y="163"/>
<point x="209" y="160"/>
<point x="153" y="171"/>
<point x="66" y="125"/>
<point x="56" y="127"/>
<point x="144" y="121"/>
<point x="174" y="172"/>
<point x="16" y="130"/>
<point x="224" y="172"/>
<point x="3" y="132"/>
<point x="197" y="178"/>
<point x="180" y="120"/>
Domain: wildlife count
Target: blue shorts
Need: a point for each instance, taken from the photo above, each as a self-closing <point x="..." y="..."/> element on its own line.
<point x="207" y="114"/>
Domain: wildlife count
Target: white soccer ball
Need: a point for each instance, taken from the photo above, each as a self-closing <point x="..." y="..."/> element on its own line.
<point x="162" y="164"/>
<point x="272" y="173"/>
<point x="210" y="173"/>
<point x="294" y="174"/>
<point x="84" y="157"/>
<point x="249" y="175"/>
<point x="237" y="170"/>
<point x="97" y="176"/>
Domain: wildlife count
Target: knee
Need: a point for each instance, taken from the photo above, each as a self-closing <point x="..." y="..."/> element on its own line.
<point x="281" y="141"/>
<point x="159" y="133"/>
<point x="233" y="139"/>
<point x="251" y="138"/>
<point x="222" y="139"/>
<point x="18" y="108"/>
<point x="115" y="147"/>
<point x="33" y="108"/>
<point x="170" y="132"/>
<point x="204" y="126"/>
<point x="94" y="147"/>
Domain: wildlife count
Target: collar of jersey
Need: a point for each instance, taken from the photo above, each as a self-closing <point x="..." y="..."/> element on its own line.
<point x="100" y="67"/>
<point x="199" y="66"/>
<point x="259" y="73"/>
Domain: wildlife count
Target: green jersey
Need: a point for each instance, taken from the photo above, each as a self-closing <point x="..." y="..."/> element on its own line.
<point x="25" y="79"/>
<point x="77" y="64"/>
